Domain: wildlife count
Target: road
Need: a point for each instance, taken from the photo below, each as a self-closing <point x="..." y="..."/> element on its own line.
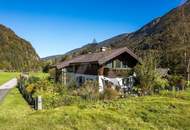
<point x="5" y="88"/>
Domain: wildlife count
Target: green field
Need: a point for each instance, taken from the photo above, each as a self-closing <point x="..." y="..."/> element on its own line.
<point x="39" y="74"/>
<point x="5" y="76"/>
<point x="169" y="111"/>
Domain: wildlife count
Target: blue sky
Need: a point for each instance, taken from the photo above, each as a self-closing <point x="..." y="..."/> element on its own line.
<point x="57" y="26"/>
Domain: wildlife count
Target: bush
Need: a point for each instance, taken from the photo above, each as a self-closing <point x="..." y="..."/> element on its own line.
<point x="52" y="73"/>
<point x="160" y="84"/>
<point x="89" y="91"/>
<point x="33" y="79"/>
<point x="30" y="88"/>
<point x="110" y="94"/>
<point x="72" y="85"/>
<point x="188" y="84"/>
<point x="177" y="81"/>
<point x="39" y="87"/>
<point x="56" y="100"/>
<point x="61" y="89"/>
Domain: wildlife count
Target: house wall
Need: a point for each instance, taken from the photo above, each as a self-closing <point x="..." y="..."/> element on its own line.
<point x="80" y="78"/>
<point x="121" y="61"/>
<point x="69" y="77"/>
<point x="117" y="81"/>
<point x="84" y="68"/>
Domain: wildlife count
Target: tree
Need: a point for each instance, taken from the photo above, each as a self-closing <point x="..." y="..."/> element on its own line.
<point x="147" y="75"/>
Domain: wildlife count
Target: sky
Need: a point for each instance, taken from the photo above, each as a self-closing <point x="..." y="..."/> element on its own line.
<point x="58" y="26"/>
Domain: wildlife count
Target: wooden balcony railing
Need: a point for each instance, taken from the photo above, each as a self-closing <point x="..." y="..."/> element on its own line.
<point x="117" y="72"/>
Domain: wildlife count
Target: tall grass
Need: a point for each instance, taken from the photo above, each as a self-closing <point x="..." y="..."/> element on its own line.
<point x="150" y="112"/>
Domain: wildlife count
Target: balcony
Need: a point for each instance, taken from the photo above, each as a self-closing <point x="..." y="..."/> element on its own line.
<point x="117" y="72"/>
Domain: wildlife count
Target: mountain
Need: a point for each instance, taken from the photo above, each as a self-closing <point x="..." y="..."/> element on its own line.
<point x="16" y="53"/>
<point x="78" y="51"/>
<point x="169" y="36"/>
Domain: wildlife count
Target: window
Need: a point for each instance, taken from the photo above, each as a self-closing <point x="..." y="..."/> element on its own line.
<point x="109" y="65"/>
<point x="124" y="64"/>
<point x="117" y="63"/>
<point x="80" y="80"/>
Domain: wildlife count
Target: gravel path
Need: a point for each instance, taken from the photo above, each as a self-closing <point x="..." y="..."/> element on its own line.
<point x="4" y="89"/>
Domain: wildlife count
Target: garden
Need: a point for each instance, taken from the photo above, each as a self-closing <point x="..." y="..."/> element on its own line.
<point x="149" y="81"/>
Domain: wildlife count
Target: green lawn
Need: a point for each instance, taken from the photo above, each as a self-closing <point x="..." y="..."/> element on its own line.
<point x="169" y="111"/>
<point x="6" y="76"/>
<point x="39" y="74"/>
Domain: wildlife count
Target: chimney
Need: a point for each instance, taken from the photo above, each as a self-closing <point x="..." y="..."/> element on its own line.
<point x="103" y="49"/>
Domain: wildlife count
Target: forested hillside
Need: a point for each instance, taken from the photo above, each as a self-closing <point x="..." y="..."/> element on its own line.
<point x="16" y="54"/>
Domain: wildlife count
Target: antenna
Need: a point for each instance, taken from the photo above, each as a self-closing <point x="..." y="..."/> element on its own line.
<point x="94" y="41"/>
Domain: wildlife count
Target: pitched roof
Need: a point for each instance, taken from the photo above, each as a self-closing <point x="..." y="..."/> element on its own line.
<point x="100" y="57"/>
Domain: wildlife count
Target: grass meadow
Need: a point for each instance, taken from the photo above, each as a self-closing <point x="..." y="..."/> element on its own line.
<point x="169" y="111"/>
<point x="6" y="76"/>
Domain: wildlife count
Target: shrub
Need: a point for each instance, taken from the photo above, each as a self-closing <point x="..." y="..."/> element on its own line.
<point x="61" y="89"/>
<point x="177" y="81"/>
<point x="89" y="90"/>
<point x="30" y="88"/>
<point x="40" y="86"/>
<point x="188" y="84"/>
<point x="160" y="83"/>
<point x="110" y="94"/>
<point x="72" y="85"/>
<point x="53" y="100"/>
<point x="52" y="73"/>
<point x="33" y="79"/>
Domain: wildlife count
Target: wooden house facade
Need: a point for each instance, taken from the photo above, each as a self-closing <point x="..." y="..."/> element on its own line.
<point x="105" y="66"/>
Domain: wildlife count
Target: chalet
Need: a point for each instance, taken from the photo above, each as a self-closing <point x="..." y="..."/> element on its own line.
<point x="107" y="66"/>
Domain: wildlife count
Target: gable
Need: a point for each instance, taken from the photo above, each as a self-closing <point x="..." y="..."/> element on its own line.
<point x="122" y="61"/>
<point x="100" y="58"/>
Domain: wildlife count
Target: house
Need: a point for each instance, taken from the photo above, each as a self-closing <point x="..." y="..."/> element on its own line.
<point x="107" y="66"/>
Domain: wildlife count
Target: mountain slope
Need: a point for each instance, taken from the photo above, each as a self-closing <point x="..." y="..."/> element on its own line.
<point x="164" y="32"/>
<point x="15" y="52"/>
<point x="168" y="35"/>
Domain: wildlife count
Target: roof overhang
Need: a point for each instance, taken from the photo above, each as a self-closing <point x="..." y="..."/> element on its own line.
<point x="99" y="59"/>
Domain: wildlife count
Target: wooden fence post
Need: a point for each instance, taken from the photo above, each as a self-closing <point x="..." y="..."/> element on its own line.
<point x="39" y="103"/>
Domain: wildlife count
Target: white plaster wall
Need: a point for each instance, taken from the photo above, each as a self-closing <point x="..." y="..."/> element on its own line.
<point x="116" y="81"/>
<point x="86" y="77"/>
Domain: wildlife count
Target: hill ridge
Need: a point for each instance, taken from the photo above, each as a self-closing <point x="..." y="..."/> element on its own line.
<point x="16" y="53"/>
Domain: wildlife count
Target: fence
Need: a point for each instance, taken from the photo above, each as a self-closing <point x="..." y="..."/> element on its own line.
<point x="35" y="103"/>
